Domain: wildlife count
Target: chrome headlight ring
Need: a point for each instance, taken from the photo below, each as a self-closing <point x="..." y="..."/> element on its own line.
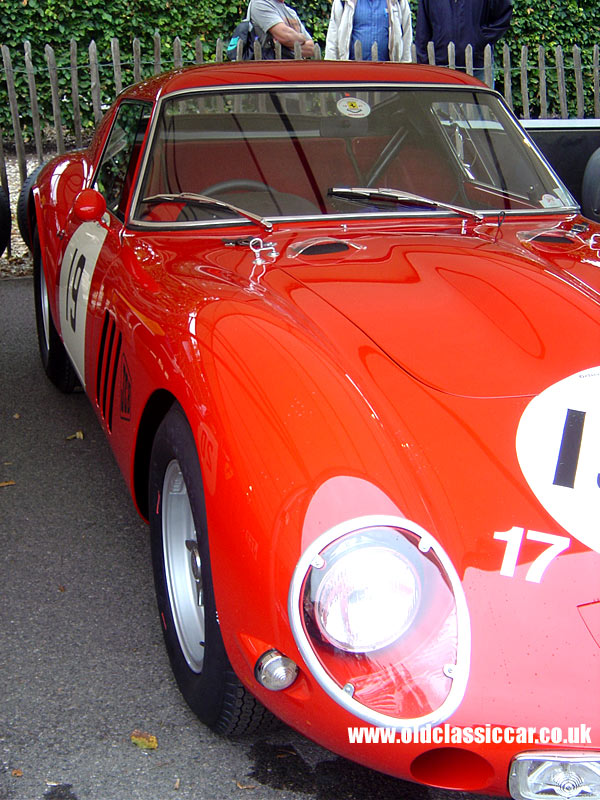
<point x="328" y="582"/>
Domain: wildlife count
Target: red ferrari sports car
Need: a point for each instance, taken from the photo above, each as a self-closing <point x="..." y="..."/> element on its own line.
<point x="341" y="325"/>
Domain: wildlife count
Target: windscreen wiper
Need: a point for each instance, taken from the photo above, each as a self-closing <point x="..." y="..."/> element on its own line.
<point x="398" y="196"/>
<point x="205" y="200"/>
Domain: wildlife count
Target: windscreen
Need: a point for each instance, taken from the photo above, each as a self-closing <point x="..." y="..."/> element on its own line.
<point x="313" y="151"/>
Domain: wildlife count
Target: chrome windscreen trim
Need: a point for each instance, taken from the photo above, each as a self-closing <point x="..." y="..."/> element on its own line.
<point x="428" y="214"/>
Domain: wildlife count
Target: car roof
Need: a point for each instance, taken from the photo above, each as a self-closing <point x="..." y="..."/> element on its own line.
<point x="295" y="71"/>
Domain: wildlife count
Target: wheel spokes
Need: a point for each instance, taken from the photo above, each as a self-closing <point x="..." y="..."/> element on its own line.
<point x="183" y="567"/>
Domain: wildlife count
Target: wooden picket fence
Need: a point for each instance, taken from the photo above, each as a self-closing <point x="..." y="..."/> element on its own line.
<point x="543" y="84"/>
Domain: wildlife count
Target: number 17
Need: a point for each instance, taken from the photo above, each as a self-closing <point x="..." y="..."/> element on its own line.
<point x="514" y="539"/>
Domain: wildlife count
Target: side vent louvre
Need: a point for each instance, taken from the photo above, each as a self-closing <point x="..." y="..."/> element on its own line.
<point x="109" y="353"/>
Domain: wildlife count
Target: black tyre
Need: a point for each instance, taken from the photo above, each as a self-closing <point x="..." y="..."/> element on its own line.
<point x="24" y="218"/>
<point x="57" y="364"/>
<point x="184" y="587"/>
<point x="5" y="221"/>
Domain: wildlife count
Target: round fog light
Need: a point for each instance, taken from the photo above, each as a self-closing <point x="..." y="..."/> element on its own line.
<point x="275" y="671"/>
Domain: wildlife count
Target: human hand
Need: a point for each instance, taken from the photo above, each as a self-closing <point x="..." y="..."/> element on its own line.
<point x="308" y="48"/>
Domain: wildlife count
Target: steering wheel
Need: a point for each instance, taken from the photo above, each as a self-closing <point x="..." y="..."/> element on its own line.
<point x="239" y="185"/>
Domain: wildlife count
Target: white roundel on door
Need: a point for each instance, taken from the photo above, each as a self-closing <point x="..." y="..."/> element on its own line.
<point x="558" y="447"/>
<point x="76" y="271"/>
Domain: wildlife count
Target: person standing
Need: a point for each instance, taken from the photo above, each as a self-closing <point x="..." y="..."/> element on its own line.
<point x="464" y="22"/>
<point x="387" y="23"/>
<point x="283" y="24"/>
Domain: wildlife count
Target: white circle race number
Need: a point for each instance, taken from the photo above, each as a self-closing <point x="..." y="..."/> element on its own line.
<point x="558" y="447"/>
<point x="76" y="271"/>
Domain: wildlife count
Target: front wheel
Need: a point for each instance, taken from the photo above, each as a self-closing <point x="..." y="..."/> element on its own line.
<point x="55" y="359"/>
<point x="184" y="586"/>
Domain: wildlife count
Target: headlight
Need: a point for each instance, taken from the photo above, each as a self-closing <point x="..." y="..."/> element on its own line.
<point x="365" y="596"/>
<point x="380" y="618"/>
<point x="548" y="775"/>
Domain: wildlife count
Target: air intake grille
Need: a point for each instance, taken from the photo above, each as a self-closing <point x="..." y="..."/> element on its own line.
<point x="108" y="363"/>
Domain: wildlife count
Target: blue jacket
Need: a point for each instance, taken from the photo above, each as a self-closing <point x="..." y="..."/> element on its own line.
<point x="474" y="22"/>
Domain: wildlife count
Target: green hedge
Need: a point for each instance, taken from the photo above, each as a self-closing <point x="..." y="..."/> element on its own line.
<point x="559" y="22"/>
<point x="41" y="22"/>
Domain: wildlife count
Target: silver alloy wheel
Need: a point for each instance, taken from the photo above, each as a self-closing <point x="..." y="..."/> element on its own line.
<point x="183" y="567"/>
<point x="45" y="307"/>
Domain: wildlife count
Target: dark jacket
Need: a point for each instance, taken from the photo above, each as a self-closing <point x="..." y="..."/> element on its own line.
<point x="474" y="22"/>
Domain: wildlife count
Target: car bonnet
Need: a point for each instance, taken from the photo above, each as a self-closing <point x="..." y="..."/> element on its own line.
<point x="463" y="314"/>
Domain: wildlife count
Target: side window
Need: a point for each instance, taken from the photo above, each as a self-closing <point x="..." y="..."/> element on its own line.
<point x="113" y="179"/>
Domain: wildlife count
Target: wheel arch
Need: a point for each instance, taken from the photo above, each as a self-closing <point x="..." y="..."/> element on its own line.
<point x="153" y="414"/>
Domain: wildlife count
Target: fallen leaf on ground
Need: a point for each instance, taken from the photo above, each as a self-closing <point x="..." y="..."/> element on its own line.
<point x="17" y="773"/>
<point x="144" y="740"/>
<point x="77" y="435"/>
<point x="7" y="483"/>
<point x="244" y="785"/>
<point x="177" y="783"/>
<point x="16" y="416"/>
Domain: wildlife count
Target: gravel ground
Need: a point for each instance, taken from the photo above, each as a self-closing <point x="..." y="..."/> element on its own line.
<point x="18" y="263"/>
